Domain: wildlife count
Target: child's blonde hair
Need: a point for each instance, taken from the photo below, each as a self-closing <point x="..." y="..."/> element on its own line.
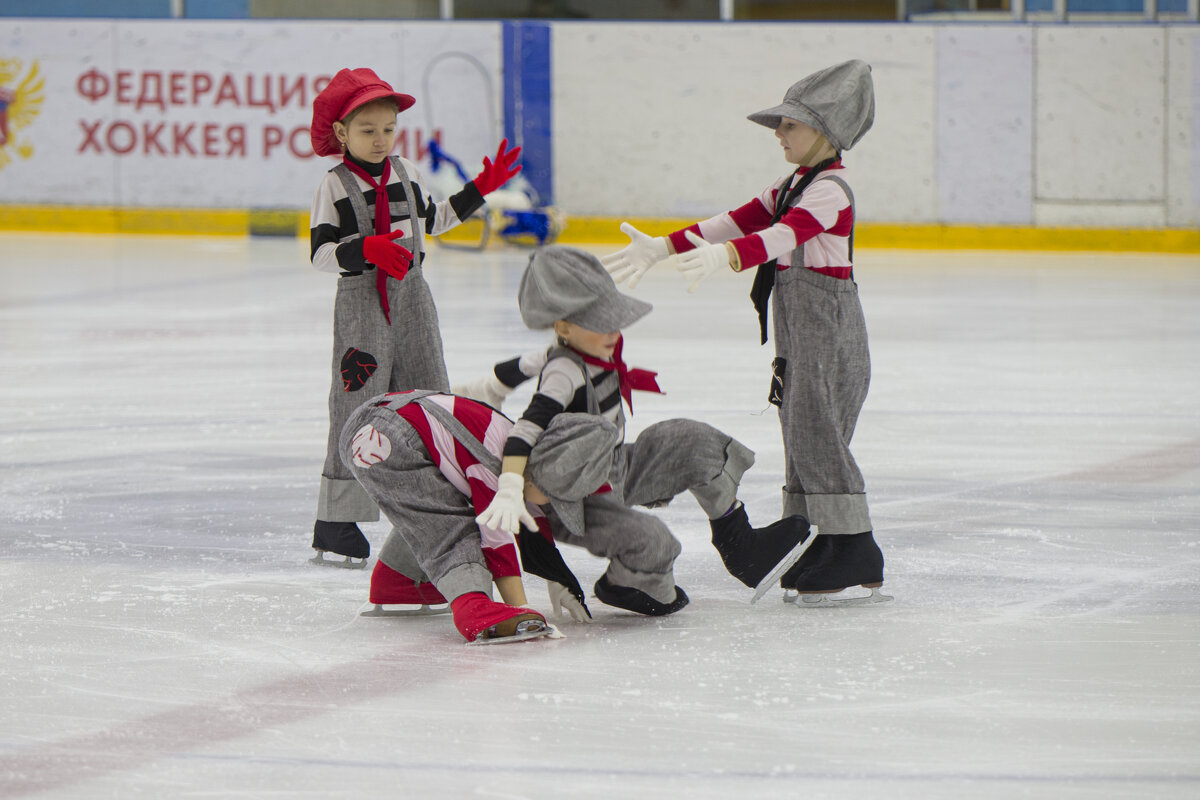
<point x="380" y="102"/>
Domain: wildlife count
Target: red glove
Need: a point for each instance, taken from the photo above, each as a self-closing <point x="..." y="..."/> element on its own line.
<point x="496" y="175"/>
<point x="388" y="256"/>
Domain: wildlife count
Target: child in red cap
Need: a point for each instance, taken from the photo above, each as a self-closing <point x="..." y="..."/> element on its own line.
<point x="385" y="330"/>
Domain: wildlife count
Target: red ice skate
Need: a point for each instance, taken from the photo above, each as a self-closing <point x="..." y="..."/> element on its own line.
<point x="482" y="620"/>
<point x="392" y="588"/>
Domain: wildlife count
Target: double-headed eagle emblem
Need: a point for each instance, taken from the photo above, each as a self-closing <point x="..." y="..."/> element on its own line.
<point x="20" y="101"/>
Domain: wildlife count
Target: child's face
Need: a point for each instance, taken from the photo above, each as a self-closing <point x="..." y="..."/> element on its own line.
<point x="370" y="134"/>
<point x="596" y="345"/>
<point x="797" y="139"/>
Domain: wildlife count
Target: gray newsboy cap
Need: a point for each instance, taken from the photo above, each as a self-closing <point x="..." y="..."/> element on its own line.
<point x="838" y="101"/>
<point x="570" y="461"/>
<point x="569" y="284"/>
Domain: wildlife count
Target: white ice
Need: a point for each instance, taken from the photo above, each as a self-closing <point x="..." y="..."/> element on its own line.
<point x="1031" y="446"/>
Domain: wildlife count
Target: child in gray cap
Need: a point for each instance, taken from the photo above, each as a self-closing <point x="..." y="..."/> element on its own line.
<point x="568" y="290"/>
<point x="800" y="234"/>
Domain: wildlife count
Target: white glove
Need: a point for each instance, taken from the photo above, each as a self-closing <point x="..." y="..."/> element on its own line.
<point x="488" y="389"/>
<point x="641" y="254"/>
<point x="561" y="598"/>
<point x="507" y="511"/>
<point x="698" y="264"/>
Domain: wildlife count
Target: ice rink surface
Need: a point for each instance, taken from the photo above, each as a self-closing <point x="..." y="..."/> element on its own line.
<point x="1031" y="446"/>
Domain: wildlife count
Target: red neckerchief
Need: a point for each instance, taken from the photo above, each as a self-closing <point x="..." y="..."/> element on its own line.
<point x="383" y="222"/>
<point x="630" y="379"/>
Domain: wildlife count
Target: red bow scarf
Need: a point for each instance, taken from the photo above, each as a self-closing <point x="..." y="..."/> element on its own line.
<point x="383" y="223"/>
<point x="641" y="379"/>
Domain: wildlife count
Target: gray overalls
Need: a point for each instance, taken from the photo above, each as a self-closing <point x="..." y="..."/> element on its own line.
<point x="822" y="372"/>
<point x="371" y="357"/>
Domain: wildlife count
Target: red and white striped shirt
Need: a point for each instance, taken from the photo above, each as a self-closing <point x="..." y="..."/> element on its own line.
<point x="465" y="472"/>
<point x="822" y="220"/>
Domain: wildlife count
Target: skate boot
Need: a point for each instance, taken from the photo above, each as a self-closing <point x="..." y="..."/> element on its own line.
<point x="482" y="620"/>
<point x="757" y="557"/>
<point x="342" y="538"/>
<point x="833" y="564"/>
<point x="392" y="588"/>
<point x="636" y="600"/>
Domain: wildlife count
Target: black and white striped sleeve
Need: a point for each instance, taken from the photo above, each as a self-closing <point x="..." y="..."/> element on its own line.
<point x="515" y="371"/>
<point x="558" y="384"/>
<point x="331" y="250"/>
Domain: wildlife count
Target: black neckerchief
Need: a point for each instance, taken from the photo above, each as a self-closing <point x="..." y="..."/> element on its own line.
<point x="374" y="170"/>
<point x="764" y="276"/>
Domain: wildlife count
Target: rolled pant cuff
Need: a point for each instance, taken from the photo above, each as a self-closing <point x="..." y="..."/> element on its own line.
<point x="345" y="501"/>
<point x="718" y="495"/>
<point x="833" y="514"/>
<point x="660" y="586"/>
<point x="464" y="579"/>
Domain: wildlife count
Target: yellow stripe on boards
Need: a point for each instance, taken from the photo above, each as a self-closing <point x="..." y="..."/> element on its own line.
<point x="606" y="230"/>
<point x="180" y="221"/>
<point x="597" y="230"/>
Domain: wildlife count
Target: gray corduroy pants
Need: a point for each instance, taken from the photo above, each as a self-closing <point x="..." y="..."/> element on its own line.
<point x="821" y="336"/>
<point x="434" y="536"/>
<point x="408" y="355"/>
<point x="667" y="459"/>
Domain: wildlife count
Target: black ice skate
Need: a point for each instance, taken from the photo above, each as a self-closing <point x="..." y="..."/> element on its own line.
<point x="757" y="557"/>
<point x="636" y="600"/>
<point x="832" y="565"/>
<point x="343" y="539"/>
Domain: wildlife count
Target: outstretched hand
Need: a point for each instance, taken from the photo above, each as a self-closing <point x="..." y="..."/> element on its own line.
<point x="497" y="173"/>
<point x="631" y="262"/>
<point x="699" y="263"/>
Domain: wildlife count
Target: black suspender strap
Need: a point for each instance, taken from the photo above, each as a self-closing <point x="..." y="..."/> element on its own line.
<point x="764" y="276"/>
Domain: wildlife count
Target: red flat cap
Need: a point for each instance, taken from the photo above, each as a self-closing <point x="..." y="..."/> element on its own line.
<point x="349" y="89"/>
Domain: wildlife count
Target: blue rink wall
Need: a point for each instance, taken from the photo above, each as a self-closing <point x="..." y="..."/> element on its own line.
<point x="1080" y="136"/>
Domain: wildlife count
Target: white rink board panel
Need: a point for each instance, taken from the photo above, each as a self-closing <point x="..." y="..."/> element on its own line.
<point x="1074" y="214"/>
<point x="666" y="126"/>
<point x="216" y="114"/>
<point x="455" y="71"/>
<point x="1101" y="108"/>
<point x="1183" y="127"/>
<point x="984" y="125"/>
<point x="39" y="163"/>
<point x="894" y="165"/>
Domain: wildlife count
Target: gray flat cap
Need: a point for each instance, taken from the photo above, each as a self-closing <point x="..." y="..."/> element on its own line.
<point x="571" y="460"/>
<point x="569" y="284"/>
<point x="838" y="101"/>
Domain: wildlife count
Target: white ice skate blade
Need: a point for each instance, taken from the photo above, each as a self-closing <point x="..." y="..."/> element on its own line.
<point x="404" y="610"/>
<point x="822" y="600"/>
<point x="548" y="632"/>
<point x="783" y="566"/>
<point x="350" y="563"/>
